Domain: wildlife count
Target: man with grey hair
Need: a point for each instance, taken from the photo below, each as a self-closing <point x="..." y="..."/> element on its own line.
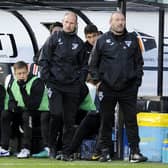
<point x="117" y="67"/>
<point x="64" y="69"/>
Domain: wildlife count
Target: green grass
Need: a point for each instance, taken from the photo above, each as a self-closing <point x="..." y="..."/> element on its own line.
<point x="12" y="162"/>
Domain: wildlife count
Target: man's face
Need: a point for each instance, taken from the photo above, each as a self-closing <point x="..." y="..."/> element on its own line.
<point x="91" y="38"/>
<point x="56" y="29"/>
<point x="117" y="23"/>
<point x="69" y="23"/>
<point x="21" y="74"/>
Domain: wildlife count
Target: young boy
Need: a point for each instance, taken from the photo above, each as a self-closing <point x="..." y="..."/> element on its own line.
<point x="27" y="99"/>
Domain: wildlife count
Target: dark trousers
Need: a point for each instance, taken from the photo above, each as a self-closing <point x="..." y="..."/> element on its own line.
<point x="63" y="108"/>
<point x="127" y="102"/>
<point x="88" y="128"/>
<point x="45" y="117"/>
<point x="40" y="126"/>
<point x="19" y="118"/>
<point x="0" y="127"/>
<point x="55" y="132"/>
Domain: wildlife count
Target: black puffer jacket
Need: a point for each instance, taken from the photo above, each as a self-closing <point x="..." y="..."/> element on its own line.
<point x="117" y="60"/>
<point x="63" y="60"/>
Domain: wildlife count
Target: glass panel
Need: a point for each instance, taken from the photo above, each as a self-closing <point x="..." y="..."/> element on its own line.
<point x="158" y="1"/>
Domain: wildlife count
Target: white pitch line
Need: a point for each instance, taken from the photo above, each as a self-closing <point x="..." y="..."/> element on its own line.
<point x="68" y="164"/>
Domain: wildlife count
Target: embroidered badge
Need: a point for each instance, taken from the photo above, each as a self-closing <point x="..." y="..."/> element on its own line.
<point x="75" y="46"/>
<point x="108" y="41"/>
<point x="128" y="43"/>
<point x="60" y="42"/>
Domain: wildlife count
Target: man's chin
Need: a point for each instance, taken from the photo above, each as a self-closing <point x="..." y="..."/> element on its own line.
<point x="119" y="32"/>
<point x="68" y="31"/>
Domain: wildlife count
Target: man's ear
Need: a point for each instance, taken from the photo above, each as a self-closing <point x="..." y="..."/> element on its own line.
<point x="76" y="28"/>
<point x="110" y="20"/>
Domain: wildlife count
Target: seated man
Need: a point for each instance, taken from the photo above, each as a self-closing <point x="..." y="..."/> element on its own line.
<point x="26" y="96"/>
<point x="88" y="127"/>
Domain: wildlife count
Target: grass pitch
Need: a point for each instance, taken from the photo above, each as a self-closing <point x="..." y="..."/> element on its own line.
<point x="12" y="162"/>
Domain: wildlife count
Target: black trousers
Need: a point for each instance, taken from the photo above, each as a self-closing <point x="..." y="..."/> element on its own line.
<point x="127" y="102"/>
<point x="29" y="122"/>
<point x="40" y="126"/>
<point x="88" y="128"/>
<point x="19" y="118"/>
<point x="63" y="108"/>
<point x="0" y="127"/>
<point x="44" y="125"/>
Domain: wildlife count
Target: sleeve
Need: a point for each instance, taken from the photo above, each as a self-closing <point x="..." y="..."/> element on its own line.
<point x="83" y="64"/>
<point x="12" y="103"/>
<point x="44" y="58"/>
<point x="139" y="64"/>
<point x="36" y="56"/>
<point x="32" y="101"/>
<point x="94" y="62"/>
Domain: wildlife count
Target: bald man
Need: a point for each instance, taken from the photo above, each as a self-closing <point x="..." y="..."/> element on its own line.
<point x="117" y="68"/>
<point x="64" y="69"/>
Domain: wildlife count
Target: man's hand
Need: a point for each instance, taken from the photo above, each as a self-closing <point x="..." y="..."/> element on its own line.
<point x="12" y="106"/>
<point x="21" y="83"/>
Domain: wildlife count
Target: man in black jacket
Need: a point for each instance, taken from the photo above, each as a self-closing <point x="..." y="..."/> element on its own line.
<point x="91" y="34"/>
<point x="117" y="67"/>
<point x="91" y="122"/>
<point x="64" y="69"/>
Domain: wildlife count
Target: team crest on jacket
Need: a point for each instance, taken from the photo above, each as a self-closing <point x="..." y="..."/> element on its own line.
<point x="75" y="46"/>
<point x="108" y="41"/>
<point x="60" y="42"/>
<point x="128" y="43"/>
